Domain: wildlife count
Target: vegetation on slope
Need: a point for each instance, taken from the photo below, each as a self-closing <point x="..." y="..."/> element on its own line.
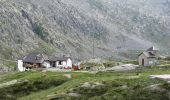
<point x="40" y="31"/>
<point x="119" y="89"/>
<point x="103" y="85"/>
<point x="27" y="83"/>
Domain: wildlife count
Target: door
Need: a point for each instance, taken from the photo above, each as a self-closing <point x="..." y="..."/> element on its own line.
<point x="143" y="62"/>
<point x="53" y="64"/>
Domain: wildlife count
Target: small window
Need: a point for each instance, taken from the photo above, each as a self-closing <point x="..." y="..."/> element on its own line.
<point x="60" y="63"/>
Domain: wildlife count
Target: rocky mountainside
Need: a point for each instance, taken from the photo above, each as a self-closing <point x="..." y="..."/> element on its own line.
<point x="68" y="26"/>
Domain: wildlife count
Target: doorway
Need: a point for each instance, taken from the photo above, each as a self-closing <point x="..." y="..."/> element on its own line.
<point x="143" y="62"/>
<point x="53" y="64"/>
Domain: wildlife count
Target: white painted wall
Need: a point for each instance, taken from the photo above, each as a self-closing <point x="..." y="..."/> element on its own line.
<point x="142" y="56"/>
<point x="20" y="66"/>
<point x="152" y="61"/>
<point x="65" y="64"/>
<point x="147" y="61"/>
<point x="46" y="64"/>
<point x="69" y="63"/>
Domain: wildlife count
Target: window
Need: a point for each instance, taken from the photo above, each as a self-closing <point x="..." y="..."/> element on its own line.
<point x="60" y="63"/>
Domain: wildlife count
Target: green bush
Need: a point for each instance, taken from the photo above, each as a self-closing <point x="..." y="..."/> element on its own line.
<point x="90" y="65"/>
<point x="167" y="58"/>
<point x="120" y="89"/>
<point x="26" y="87"/>
<point x="110" y="64"/>
<point x="40" y="31"/>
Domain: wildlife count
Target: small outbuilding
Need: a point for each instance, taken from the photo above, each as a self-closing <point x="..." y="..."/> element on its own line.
<point x="149" y="57"/>
<point x="61" y="62"/>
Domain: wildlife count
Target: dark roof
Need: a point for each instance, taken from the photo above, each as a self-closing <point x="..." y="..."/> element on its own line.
<point x="59" y="58"/>
<point x="153" y="48"/>
<point x="149" y="54"/>
<point x="152" y="52"/>
<point x="35" y="58"/>
<point x="20" y="58"/>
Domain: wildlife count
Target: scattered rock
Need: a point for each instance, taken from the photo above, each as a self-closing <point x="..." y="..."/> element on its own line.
<point x="91" y="85"/>
<point x="126" y="67"/>
<point x="8" y="83"/>
<point x="73" y="94"/>
<point x="86" y="85"/>
<point x="67" y="75"/>
<point x="165" y="77"/>
<point x="124" y="87"/>
<point x="156" y="87"/>
<point x="12" y="83"/>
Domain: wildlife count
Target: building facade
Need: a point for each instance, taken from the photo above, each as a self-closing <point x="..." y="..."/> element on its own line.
<point x="37" y="60"/>
<point x="149" y="57"/>
<point x="61" y="62"/>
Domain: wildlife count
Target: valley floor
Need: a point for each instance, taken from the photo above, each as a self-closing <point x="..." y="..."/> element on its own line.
<point x="85" y="86"/>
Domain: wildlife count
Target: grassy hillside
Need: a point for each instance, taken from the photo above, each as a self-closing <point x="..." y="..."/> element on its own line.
<point x="103" y="85"/>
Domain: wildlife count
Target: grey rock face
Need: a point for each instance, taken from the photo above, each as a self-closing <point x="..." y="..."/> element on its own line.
<point x="67" y="26"/>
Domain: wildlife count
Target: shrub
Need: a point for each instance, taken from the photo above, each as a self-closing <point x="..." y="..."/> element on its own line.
<point x="26" y="87"/>
<point x="167" y="58"/>
<point x="110" y="64"/>
<point x="39" y="30"/>
<point x="88" y="66"/>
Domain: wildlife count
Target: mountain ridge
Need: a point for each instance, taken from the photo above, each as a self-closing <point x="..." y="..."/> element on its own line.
<point x="68" y="26"/>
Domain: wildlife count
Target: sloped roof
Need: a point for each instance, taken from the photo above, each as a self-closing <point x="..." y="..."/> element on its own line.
<point x="149" y="54"/>
<point x="35" y="58"/>
<point x="153" y="48"/>
<point x="152" y="52"/>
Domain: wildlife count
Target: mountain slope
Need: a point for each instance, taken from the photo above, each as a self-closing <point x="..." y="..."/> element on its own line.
<point x="68" y="26"/>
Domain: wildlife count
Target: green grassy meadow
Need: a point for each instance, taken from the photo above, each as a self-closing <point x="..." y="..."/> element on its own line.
<point x="55" y="86"/>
